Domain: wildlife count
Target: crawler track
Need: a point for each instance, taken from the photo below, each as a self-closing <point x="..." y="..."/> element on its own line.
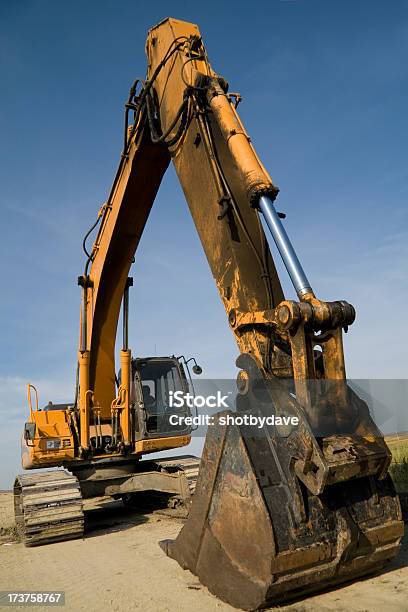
<point x="48" y="507"/>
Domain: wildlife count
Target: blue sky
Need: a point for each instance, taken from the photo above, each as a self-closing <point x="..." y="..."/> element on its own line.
<point x="325" y="93"/>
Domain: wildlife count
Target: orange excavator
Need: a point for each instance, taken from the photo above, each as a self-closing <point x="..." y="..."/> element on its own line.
<point x="277" y="511"/>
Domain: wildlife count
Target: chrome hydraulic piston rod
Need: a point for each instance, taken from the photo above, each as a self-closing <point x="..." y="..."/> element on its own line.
<point x="125" y="319"/>
<point x="285" y="248"/>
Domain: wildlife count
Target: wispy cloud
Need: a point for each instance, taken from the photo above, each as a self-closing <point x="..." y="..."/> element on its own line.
<point x="13" y="396"/>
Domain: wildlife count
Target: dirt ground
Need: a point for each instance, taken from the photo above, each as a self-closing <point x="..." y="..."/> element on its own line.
<point x="119" y="566"/>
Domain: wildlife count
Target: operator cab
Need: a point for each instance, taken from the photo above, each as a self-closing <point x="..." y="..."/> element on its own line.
<point x="155" y="380"/>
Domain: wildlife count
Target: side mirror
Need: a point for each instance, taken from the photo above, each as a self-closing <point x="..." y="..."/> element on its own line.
<point x="196" y="368"/>
<point x="29" y="431"/>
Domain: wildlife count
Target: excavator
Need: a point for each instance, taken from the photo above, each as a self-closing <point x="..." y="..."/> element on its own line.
<point x="275" y="512"/>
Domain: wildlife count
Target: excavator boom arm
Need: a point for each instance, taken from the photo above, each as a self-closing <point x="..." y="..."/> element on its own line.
<point x="220" y="176"/>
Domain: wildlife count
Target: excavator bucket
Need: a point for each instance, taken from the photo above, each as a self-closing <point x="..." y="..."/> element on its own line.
<point x="262" y="529"/>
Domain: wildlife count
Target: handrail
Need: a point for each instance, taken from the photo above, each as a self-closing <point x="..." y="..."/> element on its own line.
<point x="29" y="387"/>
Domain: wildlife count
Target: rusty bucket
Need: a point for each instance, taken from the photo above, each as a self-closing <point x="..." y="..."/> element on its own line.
<point x="257" y="534"/>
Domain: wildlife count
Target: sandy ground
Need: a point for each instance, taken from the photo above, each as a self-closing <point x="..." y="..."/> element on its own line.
<point x="119" y="566"/>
